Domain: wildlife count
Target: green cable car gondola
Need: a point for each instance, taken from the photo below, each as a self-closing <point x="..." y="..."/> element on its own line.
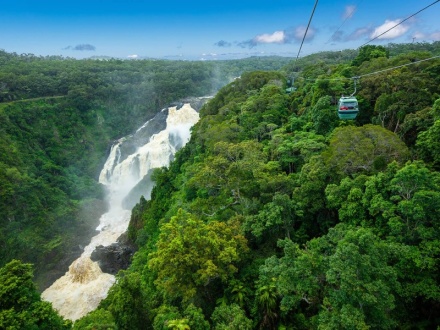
<point x="348" y="107"/>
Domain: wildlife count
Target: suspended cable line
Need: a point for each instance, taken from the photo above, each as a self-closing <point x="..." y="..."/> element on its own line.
<point x="308" y="25"/>
<point x="371" y="73"/>
<point x="327" y="79"/>
<point x="345" y="20"/>
<point x="356" y="78"/>
<point x="395" y="67"/>
<point x="400" y="23"/>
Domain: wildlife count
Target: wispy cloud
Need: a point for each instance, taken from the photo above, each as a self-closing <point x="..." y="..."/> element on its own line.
<point x="134" y="56"/>
<point x="348" y="12"/>
<point x="432" y="36"/>
<point x="435" y="36"/>
<point x="247" y="44"/>
<point x="223" y="43"/>
<point x="82" y="47"/>
<point x="395" y="32"/>
<point x="358" y="34"/>
<point x="337" y="36"/>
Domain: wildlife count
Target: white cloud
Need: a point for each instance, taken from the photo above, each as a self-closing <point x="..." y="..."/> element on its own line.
<point x="395" y="32"/>
<point x="277" y="37"/>
<point x="349" y="11"/>
<point x="134" y="56"/>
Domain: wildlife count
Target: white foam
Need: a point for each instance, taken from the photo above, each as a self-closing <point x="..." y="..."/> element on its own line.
<point x="81" y="289"/>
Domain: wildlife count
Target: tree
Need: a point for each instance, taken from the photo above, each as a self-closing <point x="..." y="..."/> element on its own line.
<point x="344" y="278"/>
<point x="228" y="178"/>
<point x="428" y="144"/>
<point x="276" y="217"/>
<point x="239" y="293"/>
<point x="127" y="302"/>
<point x="195" y="317"/>
<point x="20" y="303"/>
<point x="231" y="317"/>
<point x="324" y="115"/>
<point x="369" y="52"/>
<point x="362" y="282"/>
<point x="366" y="149"/>
<point x="267" y="301"/>
<point x="310" y="198"/>
<point x="166" y="314"/>
<point x="191" y="254"/>
<point x="347" y="198"/>
<point x="178" y="324"/>
<point x="400" y="206"/>
<point x="98" y="319"/>
<point x="292" y="151"/>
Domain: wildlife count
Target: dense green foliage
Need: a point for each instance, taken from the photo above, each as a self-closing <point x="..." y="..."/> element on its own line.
<point x="335" y="221"/>
<point x="57" y="119"/>
<point x="277" y="215"/>
<point x="20" y="303"/>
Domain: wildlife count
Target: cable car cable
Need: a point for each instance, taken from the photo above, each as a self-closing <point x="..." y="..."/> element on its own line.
<point x="371" y="73"/>
<point x="308" y="25"/>
<point x="347" y="112"/>
<point x="395" y="67"/>
<point x="345" y="20"/>
<point x="327" y="79"/>
<point x="370" y="39"/>
<point x="354" y="109"/>
<point x="400" y="23"/>
<point x="375" y="72"/>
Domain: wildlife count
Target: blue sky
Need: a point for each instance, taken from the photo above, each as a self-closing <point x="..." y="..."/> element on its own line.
<point x="207" y="29"/>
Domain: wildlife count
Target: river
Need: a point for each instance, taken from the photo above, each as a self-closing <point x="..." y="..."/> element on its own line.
<point x="131" y="158"/>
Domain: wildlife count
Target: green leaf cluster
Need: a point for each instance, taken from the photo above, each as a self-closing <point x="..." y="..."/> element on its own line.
<point x="21" y="306"/>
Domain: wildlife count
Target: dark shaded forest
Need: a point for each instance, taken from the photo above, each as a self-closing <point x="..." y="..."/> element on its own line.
<point x="276" y="214"/>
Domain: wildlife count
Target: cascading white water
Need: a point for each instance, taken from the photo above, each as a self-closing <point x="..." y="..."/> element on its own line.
<point x="81" y="289"/>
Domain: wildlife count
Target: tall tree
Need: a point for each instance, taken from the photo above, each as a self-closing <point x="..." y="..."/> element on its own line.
<point x="21" y="306"/>
<point x="192" y="254"/>
<point x="369" y="52"/>
<point x="343" y="278"/>
<point x="365" y="149"/>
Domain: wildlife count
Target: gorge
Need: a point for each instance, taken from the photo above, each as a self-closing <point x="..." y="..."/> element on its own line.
<point x="126" y="177"/>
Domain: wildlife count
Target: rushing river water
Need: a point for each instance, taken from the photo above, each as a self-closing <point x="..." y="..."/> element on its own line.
<point x="153" y="145"/>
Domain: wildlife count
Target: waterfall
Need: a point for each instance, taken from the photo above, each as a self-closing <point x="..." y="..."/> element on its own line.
<point x="153" y="145"/>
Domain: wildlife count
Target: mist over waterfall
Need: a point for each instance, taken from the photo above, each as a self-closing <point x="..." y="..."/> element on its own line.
<point x="125" y="174"/>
